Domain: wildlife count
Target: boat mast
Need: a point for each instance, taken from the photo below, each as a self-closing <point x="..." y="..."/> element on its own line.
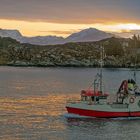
<point x="135" y="64"/>
<point x="135" y="69"/>
<point x="101" y="68"/>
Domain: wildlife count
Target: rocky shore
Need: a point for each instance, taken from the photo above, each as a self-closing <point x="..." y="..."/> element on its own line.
<point x="119" y="52"/>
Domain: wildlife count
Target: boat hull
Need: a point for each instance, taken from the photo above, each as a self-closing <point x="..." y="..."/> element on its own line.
<point x="101" y="114"/>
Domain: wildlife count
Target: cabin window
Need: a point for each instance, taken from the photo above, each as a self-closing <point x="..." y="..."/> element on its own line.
<point x="84" y="98"/>
<point x="92" y="98"/>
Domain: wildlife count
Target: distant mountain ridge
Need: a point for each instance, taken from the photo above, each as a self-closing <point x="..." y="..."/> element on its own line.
<point x="43" y="40"/>
<point x="14" y="34"/>
<point x="86" y="35"/>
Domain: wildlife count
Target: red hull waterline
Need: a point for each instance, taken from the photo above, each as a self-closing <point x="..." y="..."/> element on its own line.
<point x="101" y="114"/>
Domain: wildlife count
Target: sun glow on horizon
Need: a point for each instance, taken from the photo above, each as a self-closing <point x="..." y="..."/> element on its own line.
<point x="126" y="27"/>
<point x="44" y="28"/>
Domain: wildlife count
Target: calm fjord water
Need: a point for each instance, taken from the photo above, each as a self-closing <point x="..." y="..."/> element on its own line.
<point x="32" y="105"/>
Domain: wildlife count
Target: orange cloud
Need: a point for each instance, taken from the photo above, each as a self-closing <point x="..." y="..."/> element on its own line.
<point x="44" y="28"/>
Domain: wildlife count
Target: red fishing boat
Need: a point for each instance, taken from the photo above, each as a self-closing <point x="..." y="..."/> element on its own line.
<point x="96" y="103"/>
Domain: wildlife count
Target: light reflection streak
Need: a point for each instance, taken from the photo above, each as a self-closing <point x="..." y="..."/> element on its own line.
<point x="33" y="114"/>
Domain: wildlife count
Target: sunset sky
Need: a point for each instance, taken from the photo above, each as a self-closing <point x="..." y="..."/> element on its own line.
<point x="63" y="17"/>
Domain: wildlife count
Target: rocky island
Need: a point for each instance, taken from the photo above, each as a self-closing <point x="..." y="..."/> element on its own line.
<point x="119" y="52"/>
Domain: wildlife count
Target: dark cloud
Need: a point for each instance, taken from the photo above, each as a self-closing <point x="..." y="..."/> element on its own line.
<point x="71" y="11"/>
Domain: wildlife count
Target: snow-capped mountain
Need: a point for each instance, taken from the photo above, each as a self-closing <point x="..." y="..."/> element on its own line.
<point x="15" y="34"/>
<point x="90" y="34"/>
<point x="38" y="40"/>
<point x="43" y="40"/>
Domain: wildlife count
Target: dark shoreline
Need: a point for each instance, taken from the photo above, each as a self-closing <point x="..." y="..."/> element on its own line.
<point x="68" y="66"/>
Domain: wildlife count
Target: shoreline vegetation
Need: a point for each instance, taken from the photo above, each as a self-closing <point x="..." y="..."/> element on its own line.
<point x="119" y="53"/>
